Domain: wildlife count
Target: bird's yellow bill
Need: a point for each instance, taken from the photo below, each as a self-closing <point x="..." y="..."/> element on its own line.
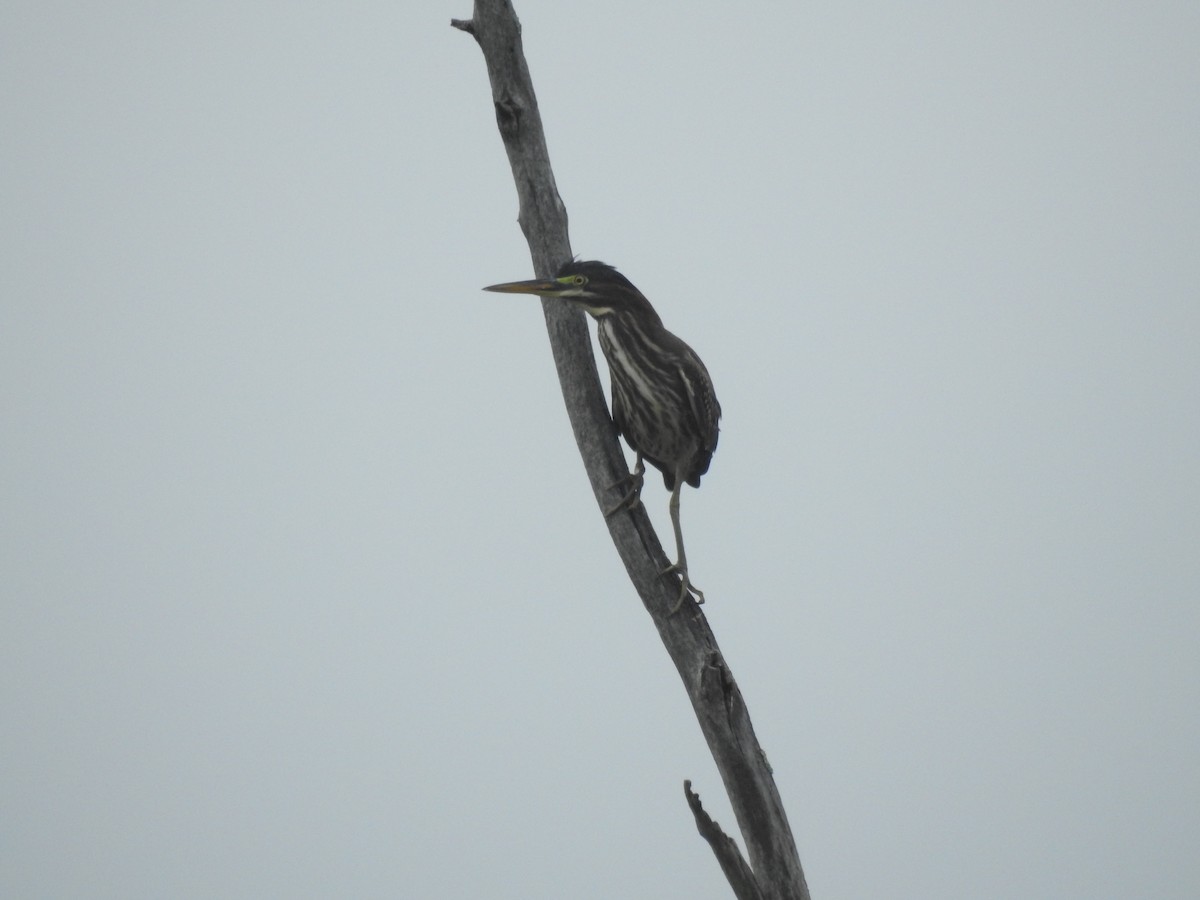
<point x="536" y="286"/>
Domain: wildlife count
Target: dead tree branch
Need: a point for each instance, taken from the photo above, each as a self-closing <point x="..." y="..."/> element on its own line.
<point x="773" y="871"/>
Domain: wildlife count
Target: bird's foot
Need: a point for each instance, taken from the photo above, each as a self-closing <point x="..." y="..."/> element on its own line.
<point x="633" y="496"/>
<point x="685" y="587"/>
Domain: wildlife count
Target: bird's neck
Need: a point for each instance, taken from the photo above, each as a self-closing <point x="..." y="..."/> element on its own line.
<point x="621" y="329"/>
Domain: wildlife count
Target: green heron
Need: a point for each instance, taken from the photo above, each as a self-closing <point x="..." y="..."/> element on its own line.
<point x="662" y="396"/>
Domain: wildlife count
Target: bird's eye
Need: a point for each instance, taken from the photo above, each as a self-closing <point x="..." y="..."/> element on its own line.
<point x="580" y="280"/>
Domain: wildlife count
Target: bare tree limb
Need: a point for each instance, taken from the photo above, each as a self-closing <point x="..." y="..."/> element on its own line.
<point x="737" y="872"/>
<point x="774" y="868"/>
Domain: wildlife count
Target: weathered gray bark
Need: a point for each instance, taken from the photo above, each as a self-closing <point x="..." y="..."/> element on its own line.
<point x="774" y="871"/>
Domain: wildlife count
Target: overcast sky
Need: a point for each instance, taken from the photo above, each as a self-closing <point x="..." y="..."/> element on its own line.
<point x="304" y="592"/>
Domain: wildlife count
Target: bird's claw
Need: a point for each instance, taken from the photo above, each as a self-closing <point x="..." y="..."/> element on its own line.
<point x="633" y="496"/>
<point x="685" y="587"/>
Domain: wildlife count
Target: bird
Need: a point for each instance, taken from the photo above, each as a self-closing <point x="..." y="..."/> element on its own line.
<point x="663" y="400"/>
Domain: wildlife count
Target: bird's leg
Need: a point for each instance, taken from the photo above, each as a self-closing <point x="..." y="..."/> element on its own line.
<point x="634" y="479"/>
<point x="685" y="586"/>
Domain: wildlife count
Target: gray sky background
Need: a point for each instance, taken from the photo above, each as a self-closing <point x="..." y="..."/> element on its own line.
<point x="304" y="592"/>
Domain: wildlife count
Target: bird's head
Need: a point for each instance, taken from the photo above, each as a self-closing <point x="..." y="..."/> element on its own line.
<point x="593" y="286"/>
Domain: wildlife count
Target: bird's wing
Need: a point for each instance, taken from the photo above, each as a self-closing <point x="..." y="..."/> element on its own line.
<point x="703" y="400"/>
<point x="706" y="412"/>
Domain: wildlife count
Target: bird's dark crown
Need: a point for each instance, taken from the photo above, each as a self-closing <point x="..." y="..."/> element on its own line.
<point x="598" y="274"/>
<point x="604" y="291"/>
